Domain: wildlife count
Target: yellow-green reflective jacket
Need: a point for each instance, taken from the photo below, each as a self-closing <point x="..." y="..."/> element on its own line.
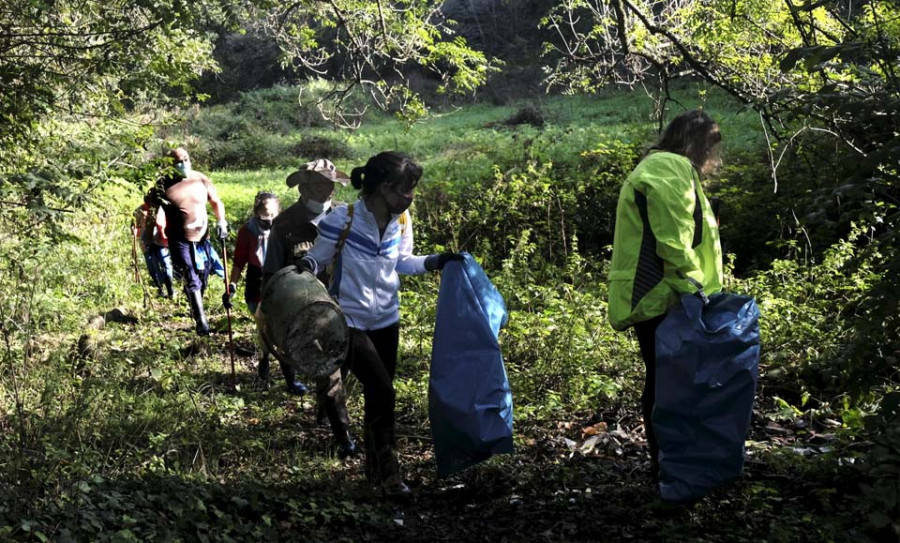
<point x="665" y="231"/>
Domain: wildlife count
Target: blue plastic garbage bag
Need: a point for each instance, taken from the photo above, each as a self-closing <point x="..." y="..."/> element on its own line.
<point x="707" y="366"/>
<point x="469" y="399"/>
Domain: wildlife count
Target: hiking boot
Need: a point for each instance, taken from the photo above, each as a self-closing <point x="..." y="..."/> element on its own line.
<point x="297" y="388"/>
<point x="170" y="290"/>
<point x="263" y="368"/>
<point x="346" y="447"/>
<point x="195" y="298"/>
<point x="321" y="417"/>
<point x="294" y="385"/>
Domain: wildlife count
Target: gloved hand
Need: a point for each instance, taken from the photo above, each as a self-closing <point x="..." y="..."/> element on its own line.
<point x="222" y="230"/>
<point x="304" y="266"/>
<point x="437" y="262"/>
<point x="228" y="295"/>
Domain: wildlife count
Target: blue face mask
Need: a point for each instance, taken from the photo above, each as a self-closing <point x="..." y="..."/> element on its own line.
<point x="184" y="168"/>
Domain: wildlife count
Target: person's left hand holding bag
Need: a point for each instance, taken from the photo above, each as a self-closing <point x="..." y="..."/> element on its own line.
<point x="304" y="266"/>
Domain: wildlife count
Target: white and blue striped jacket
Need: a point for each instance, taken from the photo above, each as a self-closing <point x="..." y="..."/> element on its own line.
<point x="365" y="278"/>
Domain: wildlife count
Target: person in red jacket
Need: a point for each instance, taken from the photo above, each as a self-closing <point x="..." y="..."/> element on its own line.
<point x="250" y="252"/>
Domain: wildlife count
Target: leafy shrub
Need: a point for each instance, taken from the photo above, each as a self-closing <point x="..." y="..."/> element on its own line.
<point x="881" y="489"/>
<point x="529" y="114"/>
<point x="562" y="355"/>
<point x="253" y="148"/>
<point x="279" y="110"/>
<point x="556" y="203"/>
<point x="810" y="314"/>
<point x="260" y="130"/>
<point x="313" y="147"/>
<point x="598" y="181"/>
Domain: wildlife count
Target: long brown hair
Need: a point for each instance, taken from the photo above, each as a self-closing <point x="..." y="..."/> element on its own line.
<point x="692" y="134"/>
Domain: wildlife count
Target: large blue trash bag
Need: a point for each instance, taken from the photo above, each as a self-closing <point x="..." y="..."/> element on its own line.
<point x="707" y="366"/>
<point x="469" y="399"/>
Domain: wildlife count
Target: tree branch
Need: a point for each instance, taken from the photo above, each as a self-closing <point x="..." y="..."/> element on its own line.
<point x="686" y="55"/>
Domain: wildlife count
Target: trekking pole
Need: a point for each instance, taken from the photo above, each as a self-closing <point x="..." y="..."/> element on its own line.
<point x="137" y="272"/>
<point x="228" y="313"/>
<point x="137" y="275"/>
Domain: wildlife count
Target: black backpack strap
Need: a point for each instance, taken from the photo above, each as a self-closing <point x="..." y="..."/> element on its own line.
<point x="346" y="232"/>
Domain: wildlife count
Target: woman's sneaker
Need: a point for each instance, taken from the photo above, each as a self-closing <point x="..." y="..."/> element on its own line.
<point x="393" y="488"/>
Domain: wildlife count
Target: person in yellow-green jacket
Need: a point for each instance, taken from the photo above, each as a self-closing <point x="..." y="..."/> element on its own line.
<point x="665" y="233"/>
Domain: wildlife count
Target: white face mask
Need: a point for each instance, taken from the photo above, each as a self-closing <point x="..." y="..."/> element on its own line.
<point x="318" y="207"/>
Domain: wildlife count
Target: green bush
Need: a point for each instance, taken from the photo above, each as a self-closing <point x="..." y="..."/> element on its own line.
<point x="314" y="147"/>
<point x="561" y="354"/>
<point x="810" y="314"/>
<point x="263" y="129"/>
<point x="252" y="149"/>
<point x="557" y="203"/>
<point x="881" y="486"/>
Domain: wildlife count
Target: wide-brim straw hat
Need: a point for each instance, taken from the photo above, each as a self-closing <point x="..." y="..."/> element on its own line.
<point x="318" y="170"/>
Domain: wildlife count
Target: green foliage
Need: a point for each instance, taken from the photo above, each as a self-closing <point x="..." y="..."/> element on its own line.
<point x="810" y="315"/>
<point x="93" y="59"/>
<point x="561" y="355"/>
<point x="364" y="45"/>
<point x="882" y="491"/>
<point x="263" y="129"/>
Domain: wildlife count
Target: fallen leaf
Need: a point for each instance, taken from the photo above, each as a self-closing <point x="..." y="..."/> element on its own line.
<point x="598" y="428"/>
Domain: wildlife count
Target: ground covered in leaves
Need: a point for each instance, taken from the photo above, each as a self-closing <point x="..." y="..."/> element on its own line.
<point x="158" y="445"/>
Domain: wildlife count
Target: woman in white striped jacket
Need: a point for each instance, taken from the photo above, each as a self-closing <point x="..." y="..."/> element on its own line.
<point x="370" y="243"/>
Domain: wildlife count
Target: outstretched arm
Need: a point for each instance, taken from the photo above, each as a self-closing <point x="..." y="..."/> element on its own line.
<point x="408" y="263"/>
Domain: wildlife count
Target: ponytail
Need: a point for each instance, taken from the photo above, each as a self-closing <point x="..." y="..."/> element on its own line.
<point x="356" y="177"/>
<point x="385" y="167"/>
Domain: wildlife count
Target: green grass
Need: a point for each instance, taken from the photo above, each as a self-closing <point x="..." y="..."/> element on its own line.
<point x="464" y="145"/>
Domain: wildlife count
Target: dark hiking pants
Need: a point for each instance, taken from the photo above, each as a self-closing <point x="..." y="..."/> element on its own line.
<point x="372" y="358"/>
<point x="646" y="334"/>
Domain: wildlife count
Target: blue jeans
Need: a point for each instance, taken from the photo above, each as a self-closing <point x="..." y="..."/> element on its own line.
<point x="186" y="260"/>
<point x="159" y="264"/>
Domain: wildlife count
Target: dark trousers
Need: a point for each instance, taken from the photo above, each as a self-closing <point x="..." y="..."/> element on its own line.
<point x="646" y="334"/>
<point x="333" y="402"/>
<point x="183" y="259"/>
<point x="373" y="360"/>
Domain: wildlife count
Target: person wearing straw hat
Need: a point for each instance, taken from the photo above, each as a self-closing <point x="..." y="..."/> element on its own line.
<point x="293" y="234"/>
